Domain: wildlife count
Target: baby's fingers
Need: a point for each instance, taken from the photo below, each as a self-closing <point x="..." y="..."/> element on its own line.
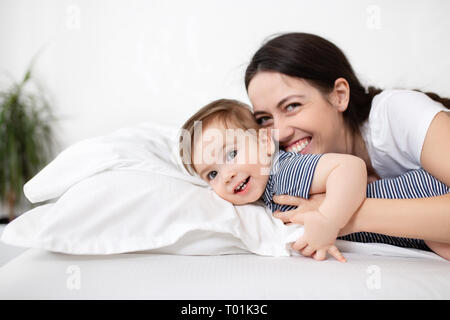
<point x="320" y="254"/>
<point x="308" y="251"/>
<point x="336" y="253"/>
<point x="299" y="244"/>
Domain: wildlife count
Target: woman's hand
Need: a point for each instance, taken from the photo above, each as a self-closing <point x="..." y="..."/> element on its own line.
<point x="304" y="206"/>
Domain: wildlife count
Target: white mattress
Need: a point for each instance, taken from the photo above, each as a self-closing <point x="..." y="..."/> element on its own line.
<point x="39" y="274"/>
<point x="8" y="252"/>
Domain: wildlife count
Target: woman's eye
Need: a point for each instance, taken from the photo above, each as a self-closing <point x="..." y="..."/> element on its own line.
<point x="231" y="154"/>
<point x="292" y="106"/>
<point x="263" y="121"/>
<point x="211" y="175"/>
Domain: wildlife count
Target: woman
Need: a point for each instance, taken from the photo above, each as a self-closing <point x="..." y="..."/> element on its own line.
<point x="304" y="86"/>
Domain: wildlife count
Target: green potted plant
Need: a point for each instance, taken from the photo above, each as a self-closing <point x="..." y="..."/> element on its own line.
<point x="26" y="138"/>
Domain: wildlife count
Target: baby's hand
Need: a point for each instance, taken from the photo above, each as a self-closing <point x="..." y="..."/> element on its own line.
<point x="319" y="237"/>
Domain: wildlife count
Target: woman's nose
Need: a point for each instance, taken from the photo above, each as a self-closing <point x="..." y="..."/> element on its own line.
<point x="282" y="132"/>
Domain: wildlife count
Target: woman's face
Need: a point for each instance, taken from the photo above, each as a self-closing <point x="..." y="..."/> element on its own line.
<point x="306" y="120"/>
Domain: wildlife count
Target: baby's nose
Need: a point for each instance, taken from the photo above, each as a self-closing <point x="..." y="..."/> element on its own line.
<point x="229" y="176"/>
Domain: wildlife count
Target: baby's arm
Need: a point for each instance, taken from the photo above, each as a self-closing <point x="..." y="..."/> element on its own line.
<point x="344" y="179"/>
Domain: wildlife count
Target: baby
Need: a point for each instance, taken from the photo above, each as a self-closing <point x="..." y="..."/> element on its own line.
<point x="226" y="147"/>
<point x="238" y="160"/>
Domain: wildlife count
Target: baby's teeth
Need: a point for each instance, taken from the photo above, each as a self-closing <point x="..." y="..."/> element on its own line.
<point x="241" y="185"/>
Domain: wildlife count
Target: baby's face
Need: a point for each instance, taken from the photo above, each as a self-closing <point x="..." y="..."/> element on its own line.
<point x="234" y="162"/>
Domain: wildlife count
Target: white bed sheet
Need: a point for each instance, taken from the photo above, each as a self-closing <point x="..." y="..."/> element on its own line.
<point x="8" y="252"/>
<point x="40" y="274"/>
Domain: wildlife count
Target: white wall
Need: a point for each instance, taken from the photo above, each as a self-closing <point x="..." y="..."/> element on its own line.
<point x="109" y="64"/>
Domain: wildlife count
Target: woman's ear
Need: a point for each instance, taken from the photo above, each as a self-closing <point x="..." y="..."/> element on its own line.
<point x="341" y="94"/>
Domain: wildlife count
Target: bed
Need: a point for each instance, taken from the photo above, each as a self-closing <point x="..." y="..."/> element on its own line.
<point x="40" y="274"/>
<point x="123" y="221"/>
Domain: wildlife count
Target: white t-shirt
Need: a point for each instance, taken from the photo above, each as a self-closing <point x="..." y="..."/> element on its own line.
<point x="396" y="128"/>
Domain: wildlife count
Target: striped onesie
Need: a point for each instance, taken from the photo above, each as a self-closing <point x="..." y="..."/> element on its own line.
<point x="292" y="174"/>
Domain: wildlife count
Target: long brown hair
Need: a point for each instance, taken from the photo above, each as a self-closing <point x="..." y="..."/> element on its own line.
<point x="319" y="61"/>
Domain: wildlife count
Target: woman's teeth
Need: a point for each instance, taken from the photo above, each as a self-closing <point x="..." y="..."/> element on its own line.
<point x="298" y="147"/>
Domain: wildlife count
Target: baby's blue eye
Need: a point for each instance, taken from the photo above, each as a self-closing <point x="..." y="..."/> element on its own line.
<point x="231" y="154"/>
<point x="211" y="175"/>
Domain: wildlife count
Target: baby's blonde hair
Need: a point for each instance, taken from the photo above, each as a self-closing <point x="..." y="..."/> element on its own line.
<point x="227" y="111"/>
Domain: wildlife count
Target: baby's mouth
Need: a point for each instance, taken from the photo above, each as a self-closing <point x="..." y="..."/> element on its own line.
<point x="299" y="145"/>
<point x="241" y="187"/>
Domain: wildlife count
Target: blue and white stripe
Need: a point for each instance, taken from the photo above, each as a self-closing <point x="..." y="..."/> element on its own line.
<point x="413" y="184"/>
<point x="291" y="174"/>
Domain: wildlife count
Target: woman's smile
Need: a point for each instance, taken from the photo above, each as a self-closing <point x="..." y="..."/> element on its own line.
<point x="299" y="146"/>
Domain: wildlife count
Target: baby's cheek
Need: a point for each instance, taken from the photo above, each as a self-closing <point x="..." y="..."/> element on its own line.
<point x="225" y="196"/>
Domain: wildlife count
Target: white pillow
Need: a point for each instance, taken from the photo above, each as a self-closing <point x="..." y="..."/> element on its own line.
<point x="120" y="211"/>
<point x="127" y="192"/>
<point x="147" y="147"/>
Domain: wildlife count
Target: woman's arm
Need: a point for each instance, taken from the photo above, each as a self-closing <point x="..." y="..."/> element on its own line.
<point x="435" y="155"/>
<point x="424" y="218"/>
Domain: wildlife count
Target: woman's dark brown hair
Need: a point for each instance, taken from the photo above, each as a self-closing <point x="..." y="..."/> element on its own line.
<point x="319" y="61"/>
